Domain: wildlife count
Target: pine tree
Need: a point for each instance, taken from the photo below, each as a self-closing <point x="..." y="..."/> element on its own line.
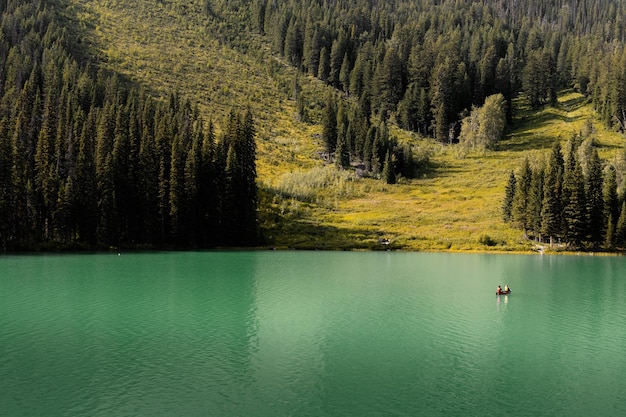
<point x="122" y="165"/>
<point x="249" y="177"/>
<point x="609" y="235"/>
<point x="551" y="206"/>
<point x="390" y="82"/>
<point x="337" y="52"/>
<point x="620" y="230"/>
<point x="46" y="184"/>
<point x="191" y="220"/>
<point x="208" y="189"/>
<point x="105" y="130"/>
<point x="163" y="147"/>
<point x="520" y="200"/>
<point x="231" y="229"/>
<point x="535" y="200"/>
<point x="323" y="71"/>
<point x="6" y="186"/>
<point x="294" y="44"/>
<point x="389" y="174"/>
<point x="177" y="188"/>
<point x="574" y="204"/>
<point x="441" y="99"/>
<point x="507" y="205"/>
<point x="503" y="86"/>
<point x="329" y="132"/>
<point x="86" y="181"/>
<point x="149" y="178"/>
<point x="312" y="48"/>
<point x="609" y="197"/>
<point x="595" y="203"/>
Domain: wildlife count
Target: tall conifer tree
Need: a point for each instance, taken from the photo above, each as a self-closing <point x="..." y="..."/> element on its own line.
<point x="551" y="206"/>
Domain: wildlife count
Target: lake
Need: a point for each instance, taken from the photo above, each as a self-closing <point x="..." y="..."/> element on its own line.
<point x="312" y="334"/>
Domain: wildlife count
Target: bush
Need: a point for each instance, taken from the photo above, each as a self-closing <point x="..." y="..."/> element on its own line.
<point x="485" y="239"/>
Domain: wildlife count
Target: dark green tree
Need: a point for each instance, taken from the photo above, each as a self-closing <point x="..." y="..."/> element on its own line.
<point x="595" y="202"/>
<point x="535" y="200"/>
<point x="620" y="230"/>
<point x="610" y="198"/>
<point x="329" y="128"/>
<point x="521" y="198"/>
<point x="509" y="195"/>
<point x="389" y="173"/>
<point x="551" y="226"/>
<point x="573" y="201"/>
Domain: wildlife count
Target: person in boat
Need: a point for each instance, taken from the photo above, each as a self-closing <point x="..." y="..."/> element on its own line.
<point x="499" y="290"/>
<point x="506" y="288"/>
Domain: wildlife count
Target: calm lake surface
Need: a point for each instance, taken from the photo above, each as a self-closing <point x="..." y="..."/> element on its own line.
<point x="312" y="334"/>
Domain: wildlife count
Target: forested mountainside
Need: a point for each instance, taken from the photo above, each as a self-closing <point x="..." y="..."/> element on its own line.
<point x="425" y="62"/>
<point x="95" y="152"/>
<point x="88" y="161"/>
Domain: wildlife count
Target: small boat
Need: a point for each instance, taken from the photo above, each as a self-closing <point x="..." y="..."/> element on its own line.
<point x="502" y="292"/>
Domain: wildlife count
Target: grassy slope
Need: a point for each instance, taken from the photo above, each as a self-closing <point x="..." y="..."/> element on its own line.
<point x="166" y="47"/>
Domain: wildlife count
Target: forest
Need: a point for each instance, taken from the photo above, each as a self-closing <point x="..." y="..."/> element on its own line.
<point x="88" y="162"/>
<point x="571" y="199"/>
<point x="90" y="159"/>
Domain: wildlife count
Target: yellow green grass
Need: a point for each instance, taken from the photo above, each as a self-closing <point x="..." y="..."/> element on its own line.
<point x="167" y="46"/>
<point x="457" y="207"/>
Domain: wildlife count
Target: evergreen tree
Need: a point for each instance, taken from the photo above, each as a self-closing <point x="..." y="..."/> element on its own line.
<point x="46" y="184"/>
<point x="441" y="99"/>
<point x="6" y="186"/>
<point x="535" y="200"/>
<point x="620" y="230"/>
<point x="551" y="206"/>
<point x="249" y="179"/>
<point x="163" y="151"/>
<point x="337" y="52"/>
<point x="329" y="132"/>
<point x="390" y="82"/>
<point x="294" y="44"/>
<point x="208" y="189"/>
<point x="595" y="203"/>
<point x="177" y="188"/>
<point x="610" y="198"/>
<point x="503" y="86"/>
<point x="105" y="130"/>
<point x="323" y="69"/>
<point x="574" y="204"/>
<point x="86" y="182"/>
<point x="312" y="49"/>
<point x="609" y="236"/>
<point x="389" y="173"/>
<point x="507" y="206"/>
<point x="191" y="219"/>
<point x="520" y="200"/>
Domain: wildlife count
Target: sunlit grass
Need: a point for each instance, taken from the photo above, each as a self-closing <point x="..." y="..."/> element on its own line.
<point x="454" y="205"/>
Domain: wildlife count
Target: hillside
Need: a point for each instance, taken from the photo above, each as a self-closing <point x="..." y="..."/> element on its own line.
<point x="166" y="46"/>
<point x="304" y="124"/>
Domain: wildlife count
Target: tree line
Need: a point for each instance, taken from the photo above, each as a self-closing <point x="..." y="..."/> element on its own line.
<point x="423" y="63"/>
<point x="571" y="199"/>
<point x="350" y="136"/>
<point x="89" y="161"/>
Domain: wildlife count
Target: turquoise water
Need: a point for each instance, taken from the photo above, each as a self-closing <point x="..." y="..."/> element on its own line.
<point x="312" y="334"/>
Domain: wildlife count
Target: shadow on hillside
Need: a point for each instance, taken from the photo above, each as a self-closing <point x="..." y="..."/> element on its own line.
<point x="311" y="235"/>
<point x="539" y="129"/>
<point x="540" y="132"/>
<point x="576" y="102"/>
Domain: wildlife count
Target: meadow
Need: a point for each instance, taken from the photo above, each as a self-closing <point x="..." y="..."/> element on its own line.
<point x="306" y="203"/>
